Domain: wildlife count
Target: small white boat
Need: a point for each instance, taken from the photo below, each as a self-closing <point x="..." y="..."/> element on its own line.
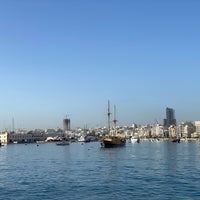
<point x="135" y="139"/>
<point x="2" y="144"/>
<point x="83" y="139"/>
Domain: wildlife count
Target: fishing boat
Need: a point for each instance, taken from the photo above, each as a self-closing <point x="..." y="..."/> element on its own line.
<point x="114" y="139"/>
<point x="62" y="143"/>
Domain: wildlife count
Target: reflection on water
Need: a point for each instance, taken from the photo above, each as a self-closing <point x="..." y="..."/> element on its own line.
<point x="171" y="156"/>
<point x="3" y="164"/>
<point x="3" y="154"/>
<point x="137" y="171"/>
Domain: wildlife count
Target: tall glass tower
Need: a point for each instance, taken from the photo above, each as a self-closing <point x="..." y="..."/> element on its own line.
<point x="66" y="124"/>
<point x="170" y="118"/>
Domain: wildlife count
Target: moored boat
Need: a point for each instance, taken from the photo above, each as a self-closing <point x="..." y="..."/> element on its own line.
<point x="1" y="144"/>
<point x="62" y="143"/>
<point x="175" y="140"/>
<point x="135" y="139"/>
<point x="114" y="140"/>
<point x="83" y="139"/>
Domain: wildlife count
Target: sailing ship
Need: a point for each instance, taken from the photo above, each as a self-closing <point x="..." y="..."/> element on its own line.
<point x="114" y="139"/>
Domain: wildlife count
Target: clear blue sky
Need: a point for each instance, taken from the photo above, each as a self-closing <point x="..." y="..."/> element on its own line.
<point x="69" y="57"/>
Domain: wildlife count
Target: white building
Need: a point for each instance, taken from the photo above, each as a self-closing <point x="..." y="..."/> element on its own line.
<point x="172" y="131"/>
<point x="197" y="126"/>
<point x="157" y="131"/>
<point x="4" y="138"/>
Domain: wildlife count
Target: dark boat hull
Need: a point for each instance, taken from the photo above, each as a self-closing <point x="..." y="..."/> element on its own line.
<point x="113" y="142"/>
<point x="176" y="140"/>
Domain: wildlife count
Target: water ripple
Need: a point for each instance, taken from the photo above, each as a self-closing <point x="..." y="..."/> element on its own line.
<point x="139" y="171"/>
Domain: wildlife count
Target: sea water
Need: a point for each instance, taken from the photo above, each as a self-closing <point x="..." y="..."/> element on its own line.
<point x="148" y="170"/>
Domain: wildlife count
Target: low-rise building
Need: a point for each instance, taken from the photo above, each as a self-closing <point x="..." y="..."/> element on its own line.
<point x="197" y="125"/>
<point x="4" y="138"/>
<point x="157" y="131"/>
<point x="26" y="137"/>
<point x="186" y="129"/>
<point x="172" y="131"/>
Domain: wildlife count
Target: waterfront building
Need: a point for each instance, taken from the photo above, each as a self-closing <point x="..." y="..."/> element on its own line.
<point x="128" y="132"/>
<point x="185" y="129"/>
<point x="197" y="127"/>
<point x="66" y="124"/>
<point x="50" y="131"/>
<point x="144" y="131"/>
<point x="157" y="131"/>
<point x="172" y="131"/>
<point x="170" y="118"/>
<point x="4" y="138"/>
<point x="189" y="129"/>
<point x="180" y="130"/>
<point x="31" y="136"/>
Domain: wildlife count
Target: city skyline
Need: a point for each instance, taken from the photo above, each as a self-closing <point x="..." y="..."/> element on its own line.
<point x="61" y="58"/>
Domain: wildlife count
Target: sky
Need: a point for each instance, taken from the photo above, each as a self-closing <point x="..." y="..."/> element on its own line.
<point x="69" y="57"/>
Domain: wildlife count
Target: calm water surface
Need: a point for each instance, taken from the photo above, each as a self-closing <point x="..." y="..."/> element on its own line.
<point x="149" y="170"/>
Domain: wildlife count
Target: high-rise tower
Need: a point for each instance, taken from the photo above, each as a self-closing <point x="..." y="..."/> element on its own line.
<point x="66" y="124"/>
<point x="170" y="118"/>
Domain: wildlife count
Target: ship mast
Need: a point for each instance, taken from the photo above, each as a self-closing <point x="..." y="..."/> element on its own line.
<point x="115" y="120"/>
<point x="108" y="117"/>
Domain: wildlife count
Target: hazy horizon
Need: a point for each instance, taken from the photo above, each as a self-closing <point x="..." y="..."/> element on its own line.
<point x="63" y="58"/>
